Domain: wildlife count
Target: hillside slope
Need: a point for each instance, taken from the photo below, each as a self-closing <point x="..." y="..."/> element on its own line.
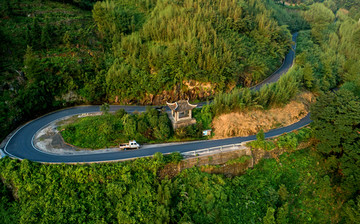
<point x="225" y="43"/>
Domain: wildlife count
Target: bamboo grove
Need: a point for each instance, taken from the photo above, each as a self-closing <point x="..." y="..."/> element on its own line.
<point x="221" y="42"/>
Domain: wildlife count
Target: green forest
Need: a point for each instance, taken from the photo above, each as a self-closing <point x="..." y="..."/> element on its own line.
<point x="61" y="53"/>
<point x="56" y="54"/>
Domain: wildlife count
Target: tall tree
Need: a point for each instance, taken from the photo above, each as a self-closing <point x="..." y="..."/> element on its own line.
<point x="32" y="66"/>
<point x="336" y="124"/>
<point x="35" y="34"/>
<point x="319" y="16"/>
<point x="46" y="35"/>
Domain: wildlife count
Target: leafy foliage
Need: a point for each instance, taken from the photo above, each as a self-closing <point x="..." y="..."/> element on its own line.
<point x="204" y="116"/>
<point x="39" y="72"/>
<point x="131" y="192"/>
<point x="208" y="41"/>
<point x="288" y="16"/>
<point x="241" y="159"/>
<point x="337" y="126"/>
<point x="328" y="53"/>
<point x="289" y="141"/>
<point x="261" y="143"/>
<point x="111" y="129"/>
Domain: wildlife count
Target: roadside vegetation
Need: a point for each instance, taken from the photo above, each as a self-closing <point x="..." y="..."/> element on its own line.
<point x="272" y="95"/>
<point x="289" y="142"/>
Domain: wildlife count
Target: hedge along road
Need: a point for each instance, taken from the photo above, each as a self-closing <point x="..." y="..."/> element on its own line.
<point x="20" y="145"/>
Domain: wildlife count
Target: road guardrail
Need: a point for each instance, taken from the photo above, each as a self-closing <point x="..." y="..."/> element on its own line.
<point x="223" y="148"/>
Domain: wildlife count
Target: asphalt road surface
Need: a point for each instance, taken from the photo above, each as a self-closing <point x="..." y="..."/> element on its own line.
<point x="288" y="62"/>
<point x="20" y="145"/>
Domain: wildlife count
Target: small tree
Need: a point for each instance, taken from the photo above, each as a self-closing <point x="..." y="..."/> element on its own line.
<point x="35" y="34"/>
<point x="105" y="108"/>
<point x="129" y="126"/>
<point x="261" y="135"/>
<point x="32" y="66"/>
<point x="269" y="218"/>
<point x="308" y="76"/>
<point x="67" y="39"/>
<point x="46" y="35"/>
<point x="163" y="130"/>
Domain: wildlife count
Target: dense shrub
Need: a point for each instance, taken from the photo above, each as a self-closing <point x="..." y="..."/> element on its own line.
<point x="289" y="141"/>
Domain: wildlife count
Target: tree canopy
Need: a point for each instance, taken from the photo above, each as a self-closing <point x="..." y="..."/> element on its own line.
<point x="336" y="123"/>
<point x="221" y="42"/>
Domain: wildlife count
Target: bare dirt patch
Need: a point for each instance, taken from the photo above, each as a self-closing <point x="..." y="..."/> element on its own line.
<point x="251" y="122"/>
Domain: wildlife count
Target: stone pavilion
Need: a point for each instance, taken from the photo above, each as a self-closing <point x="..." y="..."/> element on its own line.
<point x="181" y="113"/>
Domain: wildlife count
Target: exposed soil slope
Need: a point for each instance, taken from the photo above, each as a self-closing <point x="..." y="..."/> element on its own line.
<point x="250" y="122"/>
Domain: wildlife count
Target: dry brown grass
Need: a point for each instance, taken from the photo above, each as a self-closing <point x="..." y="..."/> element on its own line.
<point x="249" y="123"/>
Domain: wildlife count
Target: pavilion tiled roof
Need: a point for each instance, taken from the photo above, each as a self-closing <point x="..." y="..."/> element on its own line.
<point x="181" y="106"/>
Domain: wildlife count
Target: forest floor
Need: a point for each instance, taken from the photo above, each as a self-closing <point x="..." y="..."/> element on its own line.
<point x="251" y="122"/>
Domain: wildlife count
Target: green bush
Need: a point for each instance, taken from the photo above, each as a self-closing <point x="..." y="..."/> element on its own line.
<point x="291" y="140"/>
<point x="204" y="115"/>
<point x="174" y="157"/>
<point x="190" y="132"/>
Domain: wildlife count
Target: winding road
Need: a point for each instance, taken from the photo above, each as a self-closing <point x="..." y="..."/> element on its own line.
<point x="20" y="145"/>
